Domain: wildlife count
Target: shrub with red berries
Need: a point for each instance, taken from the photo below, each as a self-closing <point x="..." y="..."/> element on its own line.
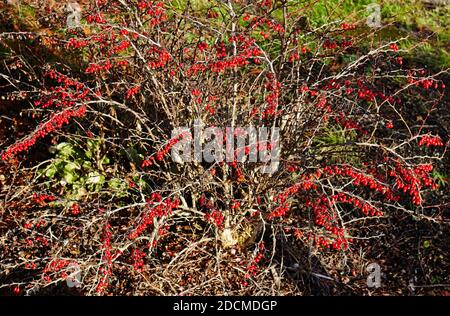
<point x="351" y="151"/>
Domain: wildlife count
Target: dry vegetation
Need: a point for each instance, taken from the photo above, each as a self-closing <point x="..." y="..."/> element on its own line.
<point x="87" y="181"/>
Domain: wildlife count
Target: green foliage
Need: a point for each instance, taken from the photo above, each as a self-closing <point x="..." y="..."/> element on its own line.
<point x="323" y="12"/>
<point x="80" y="170"/>
<point x="439" y="178"/>
<point x="410" y="18"/>
<point x="334" y="144"/>
<point x="26" y="11"/>
<point x="335" y="135"/>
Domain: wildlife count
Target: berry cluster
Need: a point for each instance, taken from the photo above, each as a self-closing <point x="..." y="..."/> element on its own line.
<point x="43" y="199"/>
<point x="429" y="140"/>
<point x="107" y="258"/>
<point x="138" y="259"/>
<point x="55" y="267"/>
<point x="411" y="180"/>
<point x="164" y="208"/>
<point x="252" y="268"/>
<point x="163" y="152"/>
<point x="55" y="122"/>
<point x="216" y="217"/>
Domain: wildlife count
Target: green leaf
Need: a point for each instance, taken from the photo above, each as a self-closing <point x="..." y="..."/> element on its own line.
<point x="95" y="178"/>
<point x="87" y="165"/>
<point x="65" y="149"/>
<point x="105" y="160"/>
<point x="439" y="178"/>
<point x="70" y="166"/>
<point x="70" y="177"/>
<point x="116" y="184"/>
<point x="141" y="183"/>
<point x="51" y="171"/>
<point x="426" y="244"/>
<point x="119" y="187"/>
<point x="78" y="191"/>
<point x="93" y="145"/>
